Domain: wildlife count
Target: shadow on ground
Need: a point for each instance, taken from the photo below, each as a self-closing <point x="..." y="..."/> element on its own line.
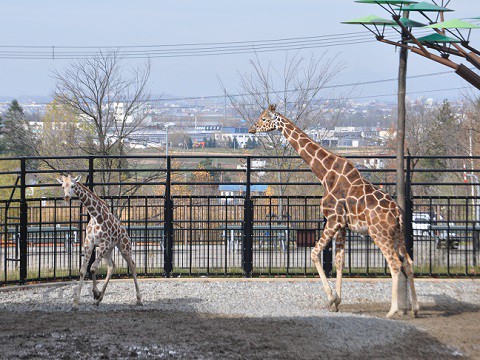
<point x="147" y="333"/>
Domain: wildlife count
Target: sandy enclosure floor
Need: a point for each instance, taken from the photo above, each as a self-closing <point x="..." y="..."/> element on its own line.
<point x="239" y="319"/>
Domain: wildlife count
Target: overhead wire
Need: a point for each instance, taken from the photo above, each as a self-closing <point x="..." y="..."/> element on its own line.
<point x="38" y="52"/>
<point x="72" y="52"/>
<point x="360" y="83"/>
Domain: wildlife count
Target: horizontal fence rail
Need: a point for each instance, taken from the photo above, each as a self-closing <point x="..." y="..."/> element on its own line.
<point x="228" y="215"/>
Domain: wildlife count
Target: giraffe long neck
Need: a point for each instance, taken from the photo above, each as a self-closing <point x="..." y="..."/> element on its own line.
<point x="311" y="152"/>
<point x="95" y="206"/>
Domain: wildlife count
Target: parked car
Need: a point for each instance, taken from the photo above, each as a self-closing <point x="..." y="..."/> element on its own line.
<point x="431" y="225"/>
<point x="422" y="223"/>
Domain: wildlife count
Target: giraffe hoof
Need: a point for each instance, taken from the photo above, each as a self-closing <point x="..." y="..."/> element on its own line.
<point x="391" y="314"/>
<point x="415" y="309"/>
<point x="333" y="303"/>
<point x="333" y="300"/>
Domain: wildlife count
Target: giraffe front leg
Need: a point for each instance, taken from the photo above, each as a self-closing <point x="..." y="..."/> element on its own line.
<point x="110" y="271"/>
<point x="83" y="270"/>
<point x="332" y="298"/>
<point x="339" y="263"/>
<point x="329" y="231"/>
<point x="97" y="295"/>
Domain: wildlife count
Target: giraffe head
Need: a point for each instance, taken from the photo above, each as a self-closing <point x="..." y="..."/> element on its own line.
<point x="267" y="121"/>
<point x="68" y="183"/>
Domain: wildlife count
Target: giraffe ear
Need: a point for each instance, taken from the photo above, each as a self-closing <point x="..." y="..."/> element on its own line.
<point x="77" y="179"/>
<point x="272" y="107"/>
<point x="60" y="180"/>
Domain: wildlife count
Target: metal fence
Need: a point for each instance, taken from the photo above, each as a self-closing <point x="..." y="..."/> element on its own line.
<point x="183" y="220"/>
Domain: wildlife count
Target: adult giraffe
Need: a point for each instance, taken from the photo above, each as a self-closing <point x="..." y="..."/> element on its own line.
<point x="351" y="201"/>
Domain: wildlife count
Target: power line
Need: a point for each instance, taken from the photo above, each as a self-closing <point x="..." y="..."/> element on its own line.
<point x="409" y="93"/>
<point x="37" y="52"/>
<point x="370" y="82"/>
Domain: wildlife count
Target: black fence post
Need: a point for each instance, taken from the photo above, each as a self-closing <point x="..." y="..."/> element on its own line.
<point x="90" y="185"/>
<point x="248" y="225"/>
<point x="408" y="208"/>
<point x="23" y="221"/>
<point x="168" y="222"/>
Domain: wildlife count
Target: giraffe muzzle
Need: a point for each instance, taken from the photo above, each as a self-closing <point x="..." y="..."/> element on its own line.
<point x="252" y="130"/>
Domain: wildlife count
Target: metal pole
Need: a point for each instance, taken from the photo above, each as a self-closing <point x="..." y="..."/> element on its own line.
<point x="408" y="228"/>
<point x="23" y="221"/>
<point x="168" y="223"/>
<point x="90" y="186"/>
<point x="476" y="211"/>
<point x="401" y="120"/>
<point x="248" y="226"/>
<point x="166" y="141"/>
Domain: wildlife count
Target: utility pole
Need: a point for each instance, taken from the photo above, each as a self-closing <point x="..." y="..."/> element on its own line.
<point x="401" y="121"/>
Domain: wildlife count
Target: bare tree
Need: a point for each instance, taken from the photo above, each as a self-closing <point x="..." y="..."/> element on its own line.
<point x="111" y="101"/>
<point x="113" y="104"/>
<point x="301" y="88"/>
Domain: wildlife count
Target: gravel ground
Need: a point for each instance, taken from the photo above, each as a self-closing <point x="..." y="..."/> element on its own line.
<point x="239" y="318"/>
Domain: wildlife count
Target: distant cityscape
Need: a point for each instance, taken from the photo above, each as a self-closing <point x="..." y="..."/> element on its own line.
<point x="213" y="123"/>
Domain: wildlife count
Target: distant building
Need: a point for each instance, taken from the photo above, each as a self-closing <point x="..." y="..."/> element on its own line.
<point x="240" y="133"/>
<point x="324" y="137"/>
<point x="232" y="192"/>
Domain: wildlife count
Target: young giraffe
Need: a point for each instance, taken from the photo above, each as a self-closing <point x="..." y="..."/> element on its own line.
<point x="104" y="231"/>
<point x="351" y="201"/>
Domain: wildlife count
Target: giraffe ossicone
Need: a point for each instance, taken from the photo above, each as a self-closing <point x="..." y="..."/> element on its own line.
<point x="349" y="201"/>
<point x="105" y="232"/>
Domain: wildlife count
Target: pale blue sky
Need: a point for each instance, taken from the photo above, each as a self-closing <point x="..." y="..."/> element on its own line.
<point x="148" y="22"/>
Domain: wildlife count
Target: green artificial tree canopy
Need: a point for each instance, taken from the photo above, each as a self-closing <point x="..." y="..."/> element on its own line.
<point x="453" y="24"/>
<point x="387" y="2"/>
<point x="436" y="38"/>
<point x="425" y="6"/>
<point x="370" y="20"/>
<point x="408" y="23"/>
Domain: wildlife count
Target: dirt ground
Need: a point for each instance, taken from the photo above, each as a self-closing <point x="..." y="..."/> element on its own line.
<point x="142" y="333"/>
<point x="455" y="325"/>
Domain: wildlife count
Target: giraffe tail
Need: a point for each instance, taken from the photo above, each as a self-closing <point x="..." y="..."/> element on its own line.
<point x="400" y="241"/>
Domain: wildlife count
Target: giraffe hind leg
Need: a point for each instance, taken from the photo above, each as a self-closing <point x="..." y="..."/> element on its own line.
<point x="389" y="252"/>
<point x="407" y="268"/>
<point x="402" y="288"/>
<point x="126" y="254"/>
